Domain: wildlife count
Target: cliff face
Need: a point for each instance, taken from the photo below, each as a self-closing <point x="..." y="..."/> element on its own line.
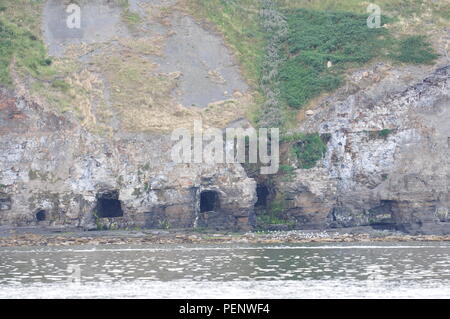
<point x="387" y="163"/>
<point x="54" y="173"/>
<point x="91" y="147"/>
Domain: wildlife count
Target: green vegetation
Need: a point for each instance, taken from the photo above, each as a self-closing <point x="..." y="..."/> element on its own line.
<point x="124" y="4"/>
<point x="394" y="8"/>
<point x="290" y="57"/>
<point x="128" y="16"/>
<point x="384" y="133"/>
<point x="131" y="17"/>
<point x="308" y="149"/>
<point x="322" y="45"/>
<point x="99" y="225"/>
<point x="20" y="41"/>
<point x="318" y="37"/>
<point x="273" y="112"/>
<point x="415" y="49"/>
<point x="61" y="84"/>
<point x="22" y="46"/>
<point x="273" y="214"/>
<point x="164" y="224"/>
<point x="266" y="220"/>
<point x="287" y="169"/>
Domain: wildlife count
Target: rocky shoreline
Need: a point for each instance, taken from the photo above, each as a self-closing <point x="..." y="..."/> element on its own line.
<point x="39" y="237"/>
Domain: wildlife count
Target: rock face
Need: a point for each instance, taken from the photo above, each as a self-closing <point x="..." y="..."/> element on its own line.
<point x="90" y="161"/>
<point x="95" y="164"/>
<point x="54" y="173"/>
<point x="387" y="166"/>
<point x="387" y="163"/>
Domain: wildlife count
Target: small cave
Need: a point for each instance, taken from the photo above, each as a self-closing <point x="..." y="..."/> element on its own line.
<point x="209" y="201"/>
<point x="262" y="193"/>
<point x="109" y="205"/>
<point x="41" y="215"/>
<point x="5" y="202"/>
<point x="381" y="216"/>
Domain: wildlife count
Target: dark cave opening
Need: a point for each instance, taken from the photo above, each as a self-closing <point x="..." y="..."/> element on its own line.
<point x="41" y="215"/>
<point x="109" y="205"/>
<point x="209" y="201"/>
<point x="5" y="202"/>
<point x="381" y="216"/>
<point x="262" y="194"/>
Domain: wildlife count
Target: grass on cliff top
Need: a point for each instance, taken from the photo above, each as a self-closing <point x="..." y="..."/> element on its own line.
<point x="316" y="38"/>
<point x="439" y="10"/>
<point x="322" y="31"/>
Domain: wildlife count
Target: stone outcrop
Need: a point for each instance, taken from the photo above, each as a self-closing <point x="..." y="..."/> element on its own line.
<point x="387" y="163"/>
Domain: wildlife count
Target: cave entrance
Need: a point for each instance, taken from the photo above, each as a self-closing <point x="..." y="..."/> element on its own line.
<point x="382" y="216"/>
<point x="109" y="205"/>
<point x="262" y="194"/>
<point x="41" y="215"/>
<point x="209" y="201"/>
<point x="5" y="201"/>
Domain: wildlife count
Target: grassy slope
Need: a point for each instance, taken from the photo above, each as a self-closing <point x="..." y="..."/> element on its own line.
<point x="343" y="39"/>
<point x="20" y="40"/>
<point x="305" y="75"/>
<point x="101" y="95"/>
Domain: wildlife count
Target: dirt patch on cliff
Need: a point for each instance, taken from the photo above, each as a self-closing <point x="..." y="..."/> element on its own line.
<point x="141" y="66"/>
<point x="208" y="72"/>
<point x="100" y="22"/>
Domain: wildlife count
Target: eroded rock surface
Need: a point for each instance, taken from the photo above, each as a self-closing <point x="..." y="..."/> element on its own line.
<point x="50" y="164"/>
<point x="97" y="153"/>
<point x="387" y="163"/>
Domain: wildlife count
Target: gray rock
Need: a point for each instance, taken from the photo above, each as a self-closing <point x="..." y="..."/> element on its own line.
<point x="387" y="163"/>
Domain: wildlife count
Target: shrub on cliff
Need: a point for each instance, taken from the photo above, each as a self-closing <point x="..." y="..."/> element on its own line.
<point x="309" y="148"/>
